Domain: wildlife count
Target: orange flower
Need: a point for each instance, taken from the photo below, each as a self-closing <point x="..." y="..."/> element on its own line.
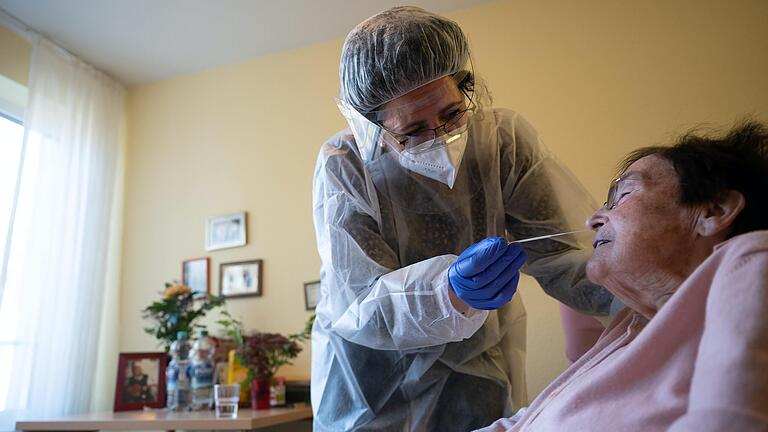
<point x="176" y="290"/>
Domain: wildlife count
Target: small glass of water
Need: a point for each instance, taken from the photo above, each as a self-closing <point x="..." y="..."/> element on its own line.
<point x="226" y="397"/>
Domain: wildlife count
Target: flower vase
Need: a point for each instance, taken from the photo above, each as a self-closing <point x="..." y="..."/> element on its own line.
<point x="260" y="388"/>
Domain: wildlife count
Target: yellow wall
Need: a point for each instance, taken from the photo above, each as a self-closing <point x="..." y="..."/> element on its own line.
<point x="237" y="138"/>
<point x="14" y="56"/>
<point x="597" y="79"/>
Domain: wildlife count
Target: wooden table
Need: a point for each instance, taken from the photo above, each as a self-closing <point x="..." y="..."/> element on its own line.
<point x="161" y="420"/>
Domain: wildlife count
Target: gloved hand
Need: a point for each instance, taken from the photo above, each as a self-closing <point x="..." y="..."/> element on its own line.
<point x="485" y="275"/>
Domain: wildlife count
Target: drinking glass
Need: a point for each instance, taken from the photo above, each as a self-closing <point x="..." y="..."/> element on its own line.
<point x="226" y="398"/>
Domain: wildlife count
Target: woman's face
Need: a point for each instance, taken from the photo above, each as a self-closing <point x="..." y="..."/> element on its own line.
<point x="642" y="245"/>
<point x="427" y="107"/>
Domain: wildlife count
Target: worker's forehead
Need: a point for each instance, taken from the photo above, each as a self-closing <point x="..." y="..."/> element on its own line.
<point x="423" y="97"/>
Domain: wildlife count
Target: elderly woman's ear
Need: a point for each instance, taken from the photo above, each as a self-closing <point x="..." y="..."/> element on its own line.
<point x="717" y="217"/>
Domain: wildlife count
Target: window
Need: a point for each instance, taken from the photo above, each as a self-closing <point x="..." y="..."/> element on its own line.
<point x="11" y="136"/>
<point x="11" y="141"/>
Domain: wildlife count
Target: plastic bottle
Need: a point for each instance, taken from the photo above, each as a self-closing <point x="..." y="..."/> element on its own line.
<point x="177" y="374"/>
<point x="201" y="372"/>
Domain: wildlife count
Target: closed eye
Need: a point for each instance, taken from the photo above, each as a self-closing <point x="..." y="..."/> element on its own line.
<point x="620" y="198"/>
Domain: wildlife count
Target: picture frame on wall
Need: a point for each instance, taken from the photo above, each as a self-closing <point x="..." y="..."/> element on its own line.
<point x="311" y="294"/>
<point x="140" y="381"/>
<point x="240" y="279"/>
<point x="226" y="231"/>
<point x="196" y="274"/>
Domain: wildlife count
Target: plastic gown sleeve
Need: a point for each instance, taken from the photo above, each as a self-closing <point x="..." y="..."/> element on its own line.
<point x="541" y="197"/>
<point x="366" y="297"/>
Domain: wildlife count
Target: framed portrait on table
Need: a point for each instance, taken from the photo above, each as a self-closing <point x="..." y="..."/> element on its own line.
<point x="240" y="279"/>
<point x="311" y="294"/>
<point x="227" y="231"/>
<point x="140" y="381"/>
<point x="195" y="273"/>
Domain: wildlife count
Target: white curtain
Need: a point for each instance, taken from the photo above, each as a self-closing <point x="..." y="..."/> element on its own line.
<point x="53" y="283"/>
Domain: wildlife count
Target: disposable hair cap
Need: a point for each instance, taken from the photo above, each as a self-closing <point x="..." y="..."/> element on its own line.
<point x="396" y="51"/>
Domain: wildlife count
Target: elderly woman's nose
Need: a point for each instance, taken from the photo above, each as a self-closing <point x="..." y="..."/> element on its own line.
<point x="596" y="220"/>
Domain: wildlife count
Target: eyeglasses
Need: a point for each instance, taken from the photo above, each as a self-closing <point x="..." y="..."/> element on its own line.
<point x="451" y="127"/>
<point x="617" y="190"/>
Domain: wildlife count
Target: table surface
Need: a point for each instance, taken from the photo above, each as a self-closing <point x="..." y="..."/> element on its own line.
<point x="163" y="420"/>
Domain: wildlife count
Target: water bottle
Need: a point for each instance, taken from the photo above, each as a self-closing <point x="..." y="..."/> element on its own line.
<point x="201" y="372"/>
<point x="177" y="374"/>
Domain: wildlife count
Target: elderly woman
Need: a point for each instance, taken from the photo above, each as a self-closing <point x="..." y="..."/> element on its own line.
<point x="682" y="242"/>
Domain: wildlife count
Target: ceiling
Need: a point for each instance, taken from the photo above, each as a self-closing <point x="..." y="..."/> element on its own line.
<point x="138" y="41"/>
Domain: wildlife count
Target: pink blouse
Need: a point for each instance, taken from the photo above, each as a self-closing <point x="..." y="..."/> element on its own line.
<point x="581" y="332"/>
<point x="700" y="364"/>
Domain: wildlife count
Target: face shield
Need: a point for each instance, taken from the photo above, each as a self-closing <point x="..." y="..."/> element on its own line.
<point x="434" y="170"/>
<point x="433" y="115"/>
<point x="425" y="130"/>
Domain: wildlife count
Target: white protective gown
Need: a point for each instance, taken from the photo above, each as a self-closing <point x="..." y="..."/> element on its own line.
<point x="389" y="352"/>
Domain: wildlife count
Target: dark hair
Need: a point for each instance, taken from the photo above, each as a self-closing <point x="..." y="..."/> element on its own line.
<point x="708" y="166"/>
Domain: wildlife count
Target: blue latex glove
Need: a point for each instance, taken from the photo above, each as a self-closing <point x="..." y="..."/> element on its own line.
<point x="485" y="275"/>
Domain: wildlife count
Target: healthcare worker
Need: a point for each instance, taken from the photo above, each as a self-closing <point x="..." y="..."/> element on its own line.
<point x="418" y="327"/>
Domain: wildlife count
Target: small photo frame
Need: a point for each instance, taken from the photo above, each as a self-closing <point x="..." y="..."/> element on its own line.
<point x="196" y="274"/>
<point x="240" y="279"/>
<point x="140" y="381"/>
<point x="227" y="231"/>
<point x="311" y="294"/>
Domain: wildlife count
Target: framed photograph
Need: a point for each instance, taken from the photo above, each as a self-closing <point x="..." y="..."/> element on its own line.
<point x="225" y="231"/>
<point x="196" y="274"/>
<point x="311" y="294"/>
<point x="240" y="279"/>
<point x="140" y="381"/>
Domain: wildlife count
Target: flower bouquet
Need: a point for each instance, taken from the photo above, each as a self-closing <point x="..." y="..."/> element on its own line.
<point x="177" y="311"/>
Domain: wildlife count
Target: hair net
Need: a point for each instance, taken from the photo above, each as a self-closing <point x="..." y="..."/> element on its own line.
<point x="396" y="51"/>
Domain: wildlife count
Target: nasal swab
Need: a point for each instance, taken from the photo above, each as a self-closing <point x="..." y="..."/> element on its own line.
<point x="547" y="236"/>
